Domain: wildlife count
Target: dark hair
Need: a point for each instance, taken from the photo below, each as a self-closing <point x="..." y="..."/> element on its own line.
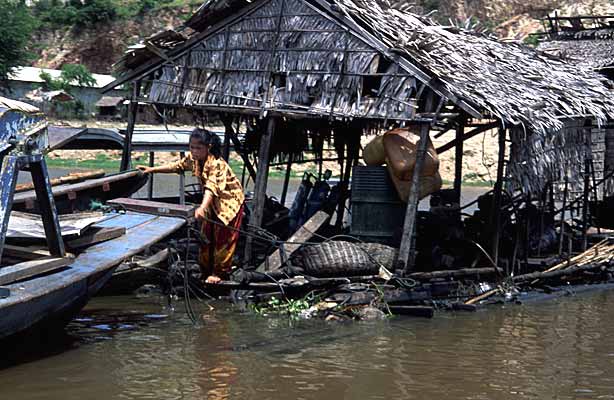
<point x="208" y="138"/>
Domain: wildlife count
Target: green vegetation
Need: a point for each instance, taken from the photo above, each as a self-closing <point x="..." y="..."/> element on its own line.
<point x="102" y="161"/>
<point x="290" y="307"/>
<point x="531" y="40"/>
<point x="15" y="33"/>
<point x="89" y="13"/>
<point x="71" y="74"/>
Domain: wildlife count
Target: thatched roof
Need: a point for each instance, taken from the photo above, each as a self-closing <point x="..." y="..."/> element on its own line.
<point x="513" y="83"/>
<point x="591" y="48"/>
<point x="594" y="54"/>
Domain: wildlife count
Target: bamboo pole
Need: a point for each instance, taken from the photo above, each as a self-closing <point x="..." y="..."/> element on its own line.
<point x="407" y="251"/>
<point x="458" y="159"/>
<point x="150" y="183"/>
<point x="260" y="185"/>
<point x="182" y="182"/>
<point x="284" y="190"/>
<point x="496" y="209"/>
<point x="133" y="108"/>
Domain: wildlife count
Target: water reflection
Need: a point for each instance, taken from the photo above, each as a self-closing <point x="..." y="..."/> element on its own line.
<point x="560" y="349"/>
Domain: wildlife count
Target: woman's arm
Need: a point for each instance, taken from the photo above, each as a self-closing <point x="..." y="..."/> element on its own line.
<point x="162" y="169"/>
<point x="201" y="212"/>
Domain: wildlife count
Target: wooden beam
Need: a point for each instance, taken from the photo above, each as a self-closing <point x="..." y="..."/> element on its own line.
<point x="260" y="185"/>
<point x="8" y="181"/>
<point x="150" y="182"/>
<point x="458" y="159"/>
<point x="284" y="190"/>
<point x="303" y="234"/>
<point x="155" y="207"/>
<point x="468" y="135"/>
<point x="133" y="108"/>
<point x="96" y="235"/>
<point x="32" y="268"/>
<point x="46" y="204"/>
<point x="182" y="182"/>
<point x="239" y="149"/>
<point x="25" y="253"/>
<point x="407" y="251"/>
<point x="498" y="190"/>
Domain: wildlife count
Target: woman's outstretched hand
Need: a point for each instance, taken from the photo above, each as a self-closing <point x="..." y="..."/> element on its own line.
<point x="144" y="169"/>
<point x="200" y="213"/>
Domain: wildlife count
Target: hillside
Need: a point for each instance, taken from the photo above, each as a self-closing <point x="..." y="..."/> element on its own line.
<point x="98" y="44"/>
<point x="101" y="41"/>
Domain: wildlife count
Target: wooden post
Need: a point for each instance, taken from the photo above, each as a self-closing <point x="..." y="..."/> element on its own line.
<point x="496" y="209"/>
<point x="133" y="108"/>
<point x="150" y="183"/>
<point x="182" y="183"/>
<point x="562" y="230"/>
<point x="585" y="194"/>
<point x="8" y="181"/>
<point x="46" y="204"/>
<point x="284" y="190"/>
<point x="458" y="159"/>
<point x="238" y="148"/>
<point x="260" y="185"/>
<point x="227" y="132"/>
<point x="407" y="251"/>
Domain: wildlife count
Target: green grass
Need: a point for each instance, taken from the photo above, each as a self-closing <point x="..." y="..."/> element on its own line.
<point x="111" y="164"/>
<point x="100" y="162"/>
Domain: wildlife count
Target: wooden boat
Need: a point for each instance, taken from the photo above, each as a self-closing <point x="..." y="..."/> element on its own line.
<point x="51" y="299"/>
<point x="71" y="197"/>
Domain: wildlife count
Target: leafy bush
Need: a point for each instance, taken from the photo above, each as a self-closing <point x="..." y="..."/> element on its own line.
<point x="15" y="32"/>
<point x="71" y="74"/>
<point x="95" y="11"/>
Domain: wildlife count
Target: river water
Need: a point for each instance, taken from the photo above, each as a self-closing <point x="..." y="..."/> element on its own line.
<point x="129" y="348"/>
<point x="140" y="348"/>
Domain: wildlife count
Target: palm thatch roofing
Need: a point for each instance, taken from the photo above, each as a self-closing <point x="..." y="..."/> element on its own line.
<point x="592" y="48"/>
<point x="483" y="76"/>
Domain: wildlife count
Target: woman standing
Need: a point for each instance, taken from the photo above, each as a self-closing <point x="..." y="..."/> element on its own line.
<point x="221" y="210"/>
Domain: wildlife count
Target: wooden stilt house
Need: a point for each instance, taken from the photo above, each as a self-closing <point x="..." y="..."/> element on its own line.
<point x="347" y="67"/>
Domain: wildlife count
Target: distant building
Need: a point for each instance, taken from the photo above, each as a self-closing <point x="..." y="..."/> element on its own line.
<point x="26" y="79"/>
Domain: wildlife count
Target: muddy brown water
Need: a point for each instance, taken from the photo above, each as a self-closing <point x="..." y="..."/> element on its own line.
<point x="140" y="348"/>
<point x="128" y="348"/>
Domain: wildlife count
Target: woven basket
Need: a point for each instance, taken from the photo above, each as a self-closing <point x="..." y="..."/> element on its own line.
<point x="340" y="258"/>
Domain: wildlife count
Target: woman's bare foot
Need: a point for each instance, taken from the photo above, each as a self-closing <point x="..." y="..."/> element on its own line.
<point x="213" y="279"/>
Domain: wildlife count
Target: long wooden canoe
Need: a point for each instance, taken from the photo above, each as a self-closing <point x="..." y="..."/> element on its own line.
<point x="51" y="300"/>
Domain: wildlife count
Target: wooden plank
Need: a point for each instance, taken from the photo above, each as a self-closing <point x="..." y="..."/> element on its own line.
<point x="25" y="253"/>
<point x="129" y="220"/>
<point x="77" y="187"/>
<point x="72" y="177"/>
<point x="303" y="234"/>
<point x="96" y="235"/>
<point x="155" y="207"/>
<point x="32" y="268"/>
<point x="26" y="225"/>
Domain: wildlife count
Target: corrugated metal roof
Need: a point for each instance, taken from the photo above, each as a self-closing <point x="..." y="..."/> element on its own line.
<point x="32" y="74"/>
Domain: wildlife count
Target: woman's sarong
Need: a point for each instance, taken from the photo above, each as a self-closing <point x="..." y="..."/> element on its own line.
<point x="215" y="257"/>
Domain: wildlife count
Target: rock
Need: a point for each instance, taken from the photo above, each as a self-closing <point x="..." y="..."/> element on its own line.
<point x="371" y="314"/>
<point x="148" y="290"/>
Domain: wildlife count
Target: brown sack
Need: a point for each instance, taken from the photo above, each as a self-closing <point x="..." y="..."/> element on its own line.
<point x="373" y="153"/>
<point x="400" y="146"/>
<point x="428" y="185"/>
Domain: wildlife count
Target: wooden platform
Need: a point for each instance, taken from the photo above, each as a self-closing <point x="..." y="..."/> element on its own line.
<point x="59" y="295"/>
